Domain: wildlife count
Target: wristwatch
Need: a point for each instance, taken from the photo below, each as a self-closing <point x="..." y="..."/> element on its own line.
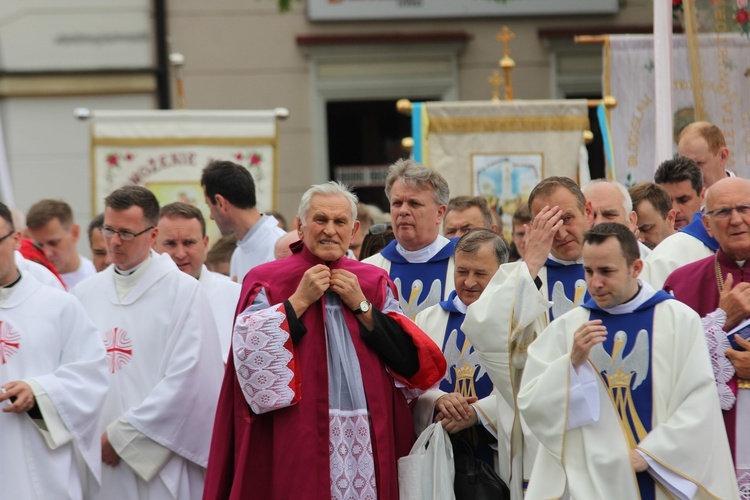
<point x="364" y="306"/>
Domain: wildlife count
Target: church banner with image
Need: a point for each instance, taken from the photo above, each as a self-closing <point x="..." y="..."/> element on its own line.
<point x="629" y="76"/>
<point x="501" y="150"/>
<point x="166" y="151"/>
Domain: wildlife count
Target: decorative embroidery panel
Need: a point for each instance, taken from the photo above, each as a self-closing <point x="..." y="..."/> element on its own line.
<point x="261" y="360"/>
<point x="10" y="341"/>
<point x="351" y="456"/>
<point x="119" y="348"/>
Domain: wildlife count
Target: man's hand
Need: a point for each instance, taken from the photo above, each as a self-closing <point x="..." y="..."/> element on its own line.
<point x="639" y="463"/>
<point x="455" y="412"/>
<point x="740" y="359"/>
<point x="24" y="397"/>
<point x="313" y="285"/>
<point x="735" y="301"/>
<point x="109" y="455"/>
<point x="539" y="238"/>
<point x="346" y="285"/>
<point x="587" y="336"/>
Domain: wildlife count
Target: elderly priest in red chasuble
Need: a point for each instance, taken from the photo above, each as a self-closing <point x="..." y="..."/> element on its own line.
<point x="315" y="400"/>
<point x="718" y="288"/>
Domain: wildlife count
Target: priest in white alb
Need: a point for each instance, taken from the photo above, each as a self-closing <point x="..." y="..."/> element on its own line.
<point x="164" y="359"/>
<point x="620" y="392"/>
<point x="53" y="381"/>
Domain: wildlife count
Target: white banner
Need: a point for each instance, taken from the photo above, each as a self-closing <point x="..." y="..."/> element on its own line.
<point x="501" y="150"/>
<point x="629" y="77"/>
<point x="166" y="152"/>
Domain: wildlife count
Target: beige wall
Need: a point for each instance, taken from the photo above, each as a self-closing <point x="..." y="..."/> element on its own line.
<point x="242" y="54"/>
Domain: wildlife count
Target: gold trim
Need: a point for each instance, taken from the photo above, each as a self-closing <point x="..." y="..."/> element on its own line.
<point x="479" y="408"/>
<point x="508" y="124"/>
<point x="675" y="471"/>
<point x="691" y="30"/>
<point x="184" y="141"/>
<point x="607" y="67"/>
<point x="76" y="84"/>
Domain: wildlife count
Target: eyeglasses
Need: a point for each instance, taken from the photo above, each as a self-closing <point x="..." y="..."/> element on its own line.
<point x="725" y="213"/>
<point x="108" y="232"/>
<point x="7" y="236"/>
<point x="380" y="228"/>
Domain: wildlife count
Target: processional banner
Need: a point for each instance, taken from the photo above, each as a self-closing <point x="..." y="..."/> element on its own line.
<point x="166" y="152"/>
<point x="501" y="150"/>
<point x="629" y="76"/>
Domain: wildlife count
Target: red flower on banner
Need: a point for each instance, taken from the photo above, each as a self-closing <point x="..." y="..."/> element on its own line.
<point x="676" y="4"/>
<point x="255" y="159"/>
<point x="113" y="160"/>
<point x="742" y="16"/>
<point x="129" y="156"/>
<point x="238" y="156"/>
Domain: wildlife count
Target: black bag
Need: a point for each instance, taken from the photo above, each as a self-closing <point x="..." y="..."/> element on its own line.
<point x="475" y="479"/>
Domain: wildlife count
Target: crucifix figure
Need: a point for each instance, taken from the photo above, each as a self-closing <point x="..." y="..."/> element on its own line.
<point x="506" y="63"/>
<point x="495" y="80"/>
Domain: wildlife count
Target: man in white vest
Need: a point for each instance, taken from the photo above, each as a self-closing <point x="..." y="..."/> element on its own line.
<point x="53" y="381"/>
<point x="230" y="194"/>
<point x="182" y="235"/>
<point x="165" y="365"/>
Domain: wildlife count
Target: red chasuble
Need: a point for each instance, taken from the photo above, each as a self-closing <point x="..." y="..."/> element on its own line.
<point x="696" y="285"/>
<point x="285" y="453"/>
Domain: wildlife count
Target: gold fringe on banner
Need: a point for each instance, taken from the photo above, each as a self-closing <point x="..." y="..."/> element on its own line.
<point x="691" y="30"/>
<point x="508" y="124"/>
<point x="182" y="141"/>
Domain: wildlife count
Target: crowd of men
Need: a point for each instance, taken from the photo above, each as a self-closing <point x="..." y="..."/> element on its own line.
<point x="591" y="356"/>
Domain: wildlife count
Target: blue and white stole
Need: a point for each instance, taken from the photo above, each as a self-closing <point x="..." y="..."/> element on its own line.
<point x="624" y="362"/>
<point x="566" y="287"/>
<point x="420" y="285"/>
<point x="465" y="374"/>
<point x="696" y="229"/>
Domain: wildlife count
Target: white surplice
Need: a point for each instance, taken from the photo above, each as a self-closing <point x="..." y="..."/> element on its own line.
<point x="223" y="294"/>
<point x="38" y="271"/>
<point x="501" y="325"/>
<point x="256" y="247"/>
<point x="592" y="460"/>
<point x="47" y="340"/>
<point x="166" y="374"/>
<point x="673" y="252"/>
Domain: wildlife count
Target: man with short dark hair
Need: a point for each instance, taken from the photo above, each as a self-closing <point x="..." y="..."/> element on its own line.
<point x="182" y="235"/>
<point x="50" y="224"/>
<point x="100" y="255"/>
<point x="523" y="297"/>
<point x="620" y="391"/>
<point x="419" y="260"/>
<point x="653" y="205"/>
<point x="230" y="194"/>
<point x="467" y="212"/>
<point x="683" y="180"/>
<point x="165" y="364"/>
<point x="53" y="381"/>
<point x="311" y="405"/>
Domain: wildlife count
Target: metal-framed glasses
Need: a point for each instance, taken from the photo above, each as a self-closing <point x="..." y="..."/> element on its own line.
<point x="108" y="232"/>
<point x="725" y="213"/>
<point x="7" y="236"/>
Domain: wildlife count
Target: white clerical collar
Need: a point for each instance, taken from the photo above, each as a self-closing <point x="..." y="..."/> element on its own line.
<point x="125" y="281"/>
<point x="741" y="263"/>
<point x="566" y="262"/>
<point x="644" y="294"/>
<point x="458" y="303"/>
<point x="423" y="254"/>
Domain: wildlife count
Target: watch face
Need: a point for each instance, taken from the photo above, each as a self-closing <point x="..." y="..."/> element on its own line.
<point x="364" y="306"/>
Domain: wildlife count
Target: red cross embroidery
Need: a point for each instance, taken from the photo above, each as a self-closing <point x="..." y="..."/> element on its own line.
<point x="10" y="341"/>
<point x="119" y="348"/>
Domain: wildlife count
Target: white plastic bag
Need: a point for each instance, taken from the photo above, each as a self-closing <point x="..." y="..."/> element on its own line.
<point x="427" y="472"/>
